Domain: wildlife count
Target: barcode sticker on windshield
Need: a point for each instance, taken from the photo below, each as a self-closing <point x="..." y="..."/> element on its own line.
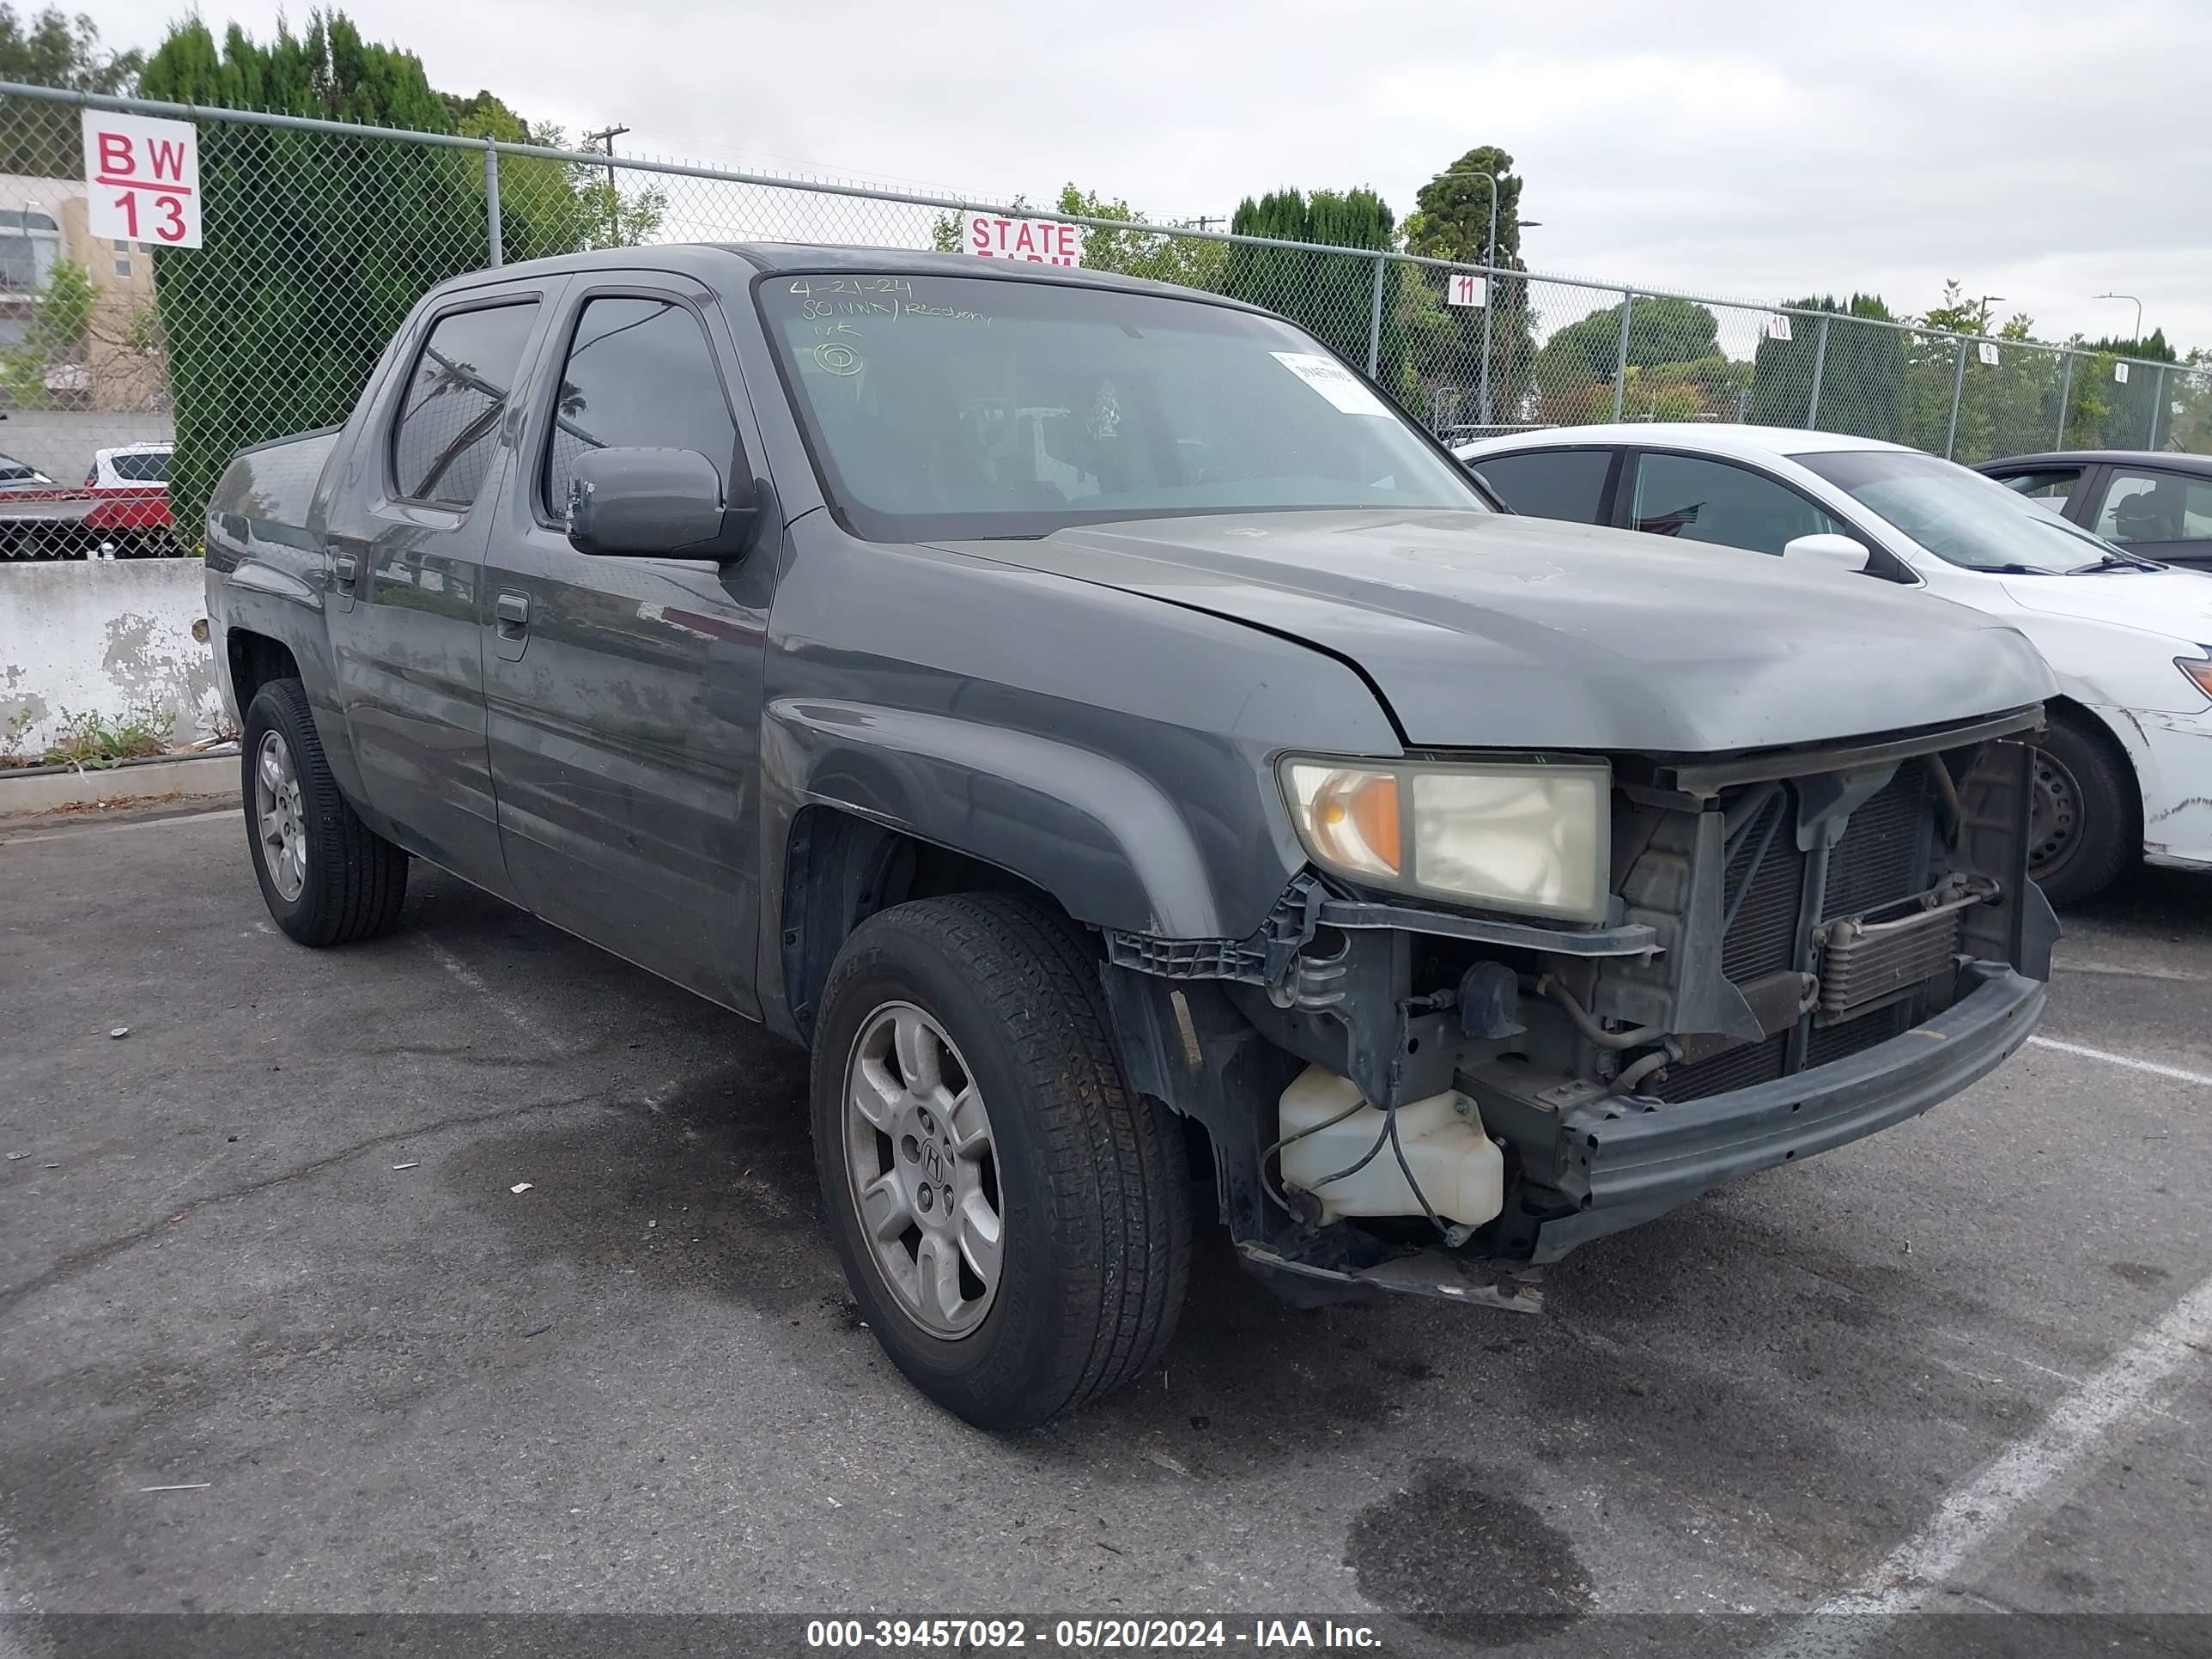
<point x="1334" y="381"/>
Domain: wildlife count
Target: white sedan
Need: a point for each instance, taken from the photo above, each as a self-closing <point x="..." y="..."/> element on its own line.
<point x="2126" y="768"/>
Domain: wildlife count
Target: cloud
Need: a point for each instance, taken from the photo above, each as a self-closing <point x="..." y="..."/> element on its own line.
<point x="1725" y="147"/>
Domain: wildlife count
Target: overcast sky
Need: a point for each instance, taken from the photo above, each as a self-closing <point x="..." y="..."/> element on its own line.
<point x="2039" y="150"/>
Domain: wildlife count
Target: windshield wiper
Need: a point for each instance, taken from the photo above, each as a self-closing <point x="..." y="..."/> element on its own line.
<point x="2115" y="561"/>
<point x="2014" y="570"/>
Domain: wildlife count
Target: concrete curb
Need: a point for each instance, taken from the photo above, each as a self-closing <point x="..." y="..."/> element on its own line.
<point x="48" y="788"/>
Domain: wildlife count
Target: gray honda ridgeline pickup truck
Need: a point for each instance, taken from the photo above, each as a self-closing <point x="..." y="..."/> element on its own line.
<point x="1145" y="770"/>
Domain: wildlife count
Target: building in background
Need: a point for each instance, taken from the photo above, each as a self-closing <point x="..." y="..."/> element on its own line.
<point x="69" y="343"/>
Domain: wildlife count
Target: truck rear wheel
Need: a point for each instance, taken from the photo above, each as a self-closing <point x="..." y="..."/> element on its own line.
<point x="327" y="877"/>
<point x="1015" y="1226"/>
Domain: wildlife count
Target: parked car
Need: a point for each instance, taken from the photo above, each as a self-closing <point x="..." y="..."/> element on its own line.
<point x="121" y="509"/>
<point x="2125" y="767"/>
<point x="16" y="475"/>
<point x="2155" y="504"/>
<point x="36" y="513"/>
<point x="1121" y="746"/>
<point x="130" y="491"/>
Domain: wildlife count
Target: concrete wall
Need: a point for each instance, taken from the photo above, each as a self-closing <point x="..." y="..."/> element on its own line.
<point x="106" y="637"/>
<point x="59" y="442"/>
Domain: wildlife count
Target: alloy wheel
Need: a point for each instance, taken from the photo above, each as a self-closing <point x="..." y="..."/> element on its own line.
<point x="923" y="1169"/>
<point x="279" y="817"/>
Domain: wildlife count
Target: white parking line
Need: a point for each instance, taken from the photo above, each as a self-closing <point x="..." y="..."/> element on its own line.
<point x="2132" y="1064"/>
<point x="1977" y="1513"/>
<point x="522" y="1021"/>
<point x="94" y="827"/>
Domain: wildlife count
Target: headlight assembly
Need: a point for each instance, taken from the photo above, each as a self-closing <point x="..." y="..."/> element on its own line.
<point x="1523" y="836"/>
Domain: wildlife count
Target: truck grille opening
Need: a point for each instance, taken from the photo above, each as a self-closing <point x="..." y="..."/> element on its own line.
<point x="1882" y="857"/>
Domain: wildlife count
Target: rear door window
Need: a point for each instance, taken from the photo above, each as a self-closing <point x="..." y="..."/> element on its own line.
<point x="1695" y="500"/>
<point x="1549" y="484"/>
<point x="143" y="466"/>
<point x="448" y="429"/>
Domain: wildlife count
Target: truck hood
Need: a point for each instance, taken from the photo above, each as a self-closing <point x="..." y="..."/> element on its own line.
<point x="1484" y="630"/>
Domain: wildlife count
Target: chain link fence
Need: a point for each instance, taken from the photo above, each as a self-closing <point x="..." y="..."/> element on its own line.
<point x="319" y="236"/>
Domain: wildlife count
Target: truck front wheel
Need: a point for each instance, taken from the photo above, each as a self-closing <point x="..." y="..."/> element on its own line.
<point x="1015" y="1227"/>
<point x="327" y="877"/>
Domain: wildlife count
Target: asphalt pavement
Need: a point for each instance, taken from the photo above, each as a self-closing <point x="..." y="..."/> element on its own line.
<point x="282" y="1330"/>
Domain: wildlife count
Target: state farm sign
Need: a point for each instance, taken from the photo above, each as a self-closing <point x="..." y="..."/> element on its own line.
<point x="1034" y="241"/>
<point x="142" y="179"/>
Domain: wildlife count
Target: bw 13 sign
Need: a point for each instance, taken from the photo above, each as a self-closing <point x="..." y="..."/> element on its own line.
<point x="142" y="179"/>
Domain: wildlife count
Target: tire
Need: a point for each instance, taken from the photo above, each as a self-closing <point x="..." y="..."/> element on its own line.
<point x="349" y="881"/>
<point x="1092" y="1190"/>
<point x="2084" y="820"/>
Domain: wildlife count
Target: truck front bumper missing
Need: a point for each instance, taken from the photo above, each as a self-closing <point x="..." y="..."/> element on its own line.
<point x="1622" y="1162"/>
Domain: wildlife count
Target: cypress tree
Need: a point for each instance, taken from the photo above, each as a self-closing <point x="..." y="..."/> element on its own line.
<point x="1330" y="295"/>
<point x="1862" y="377"/>
<point x="315" y="244"/>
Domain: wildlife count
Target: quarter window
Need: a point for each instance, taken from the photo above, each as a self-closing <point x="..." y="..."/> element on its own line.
<point x="2156" y="507"/>
<point x="448" y="428"/>
<point x="1701" y="500"/>
<point x="639" y="374"/>
<point x="2050" y="487"/>
<point x="1548" y="484"/>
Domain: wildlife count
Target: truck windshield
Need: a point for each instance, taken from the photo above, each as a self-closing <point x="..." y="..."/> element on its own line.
<point x="1957" y="516"/>
<point x="951" y="407"/>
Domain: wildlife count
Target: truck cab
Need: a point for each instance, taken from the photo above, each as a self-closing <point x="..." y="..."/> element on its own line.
<point x="1150" y="774"/>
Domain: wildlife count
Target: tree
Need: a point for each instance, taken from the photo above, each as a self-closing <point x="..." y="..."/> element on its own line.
<point x="1194" y="261"/>
<point x="1862" y="373"/>
<point x="1331" y="294"/>
<point x="2106" y="412"/>
<point x="52" y="50"/>
<point x="54" y="338"/>
<point x="1675" y="343"/>
<point x="1451" y="213"/>
<point x="1451" y="220"/>
<point x="1660" y="331"/>
<point x="317" y="245"/>
<point x="548" y="207"/>
<point x="2002" y="407"/>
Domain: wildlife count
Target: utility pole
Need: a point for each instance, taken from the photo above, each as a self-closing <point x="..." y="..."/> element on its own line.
<point x="1203" y="222"/>
<point x="613" y="197"/>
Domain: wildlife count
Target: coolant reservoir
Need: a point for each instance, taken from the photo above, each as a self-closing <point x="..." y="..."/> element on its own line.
<point x="1461" y="1172"/>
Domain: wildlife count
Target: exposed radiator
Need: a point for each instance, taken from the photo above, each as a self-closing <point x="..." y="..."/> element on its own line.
<point x="1881" y="861"/>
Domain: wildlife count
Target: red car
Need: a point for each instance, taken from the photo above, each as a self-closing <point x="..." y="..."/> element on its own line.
<point x="121" y="510"/>
<point x="130" y="487"/>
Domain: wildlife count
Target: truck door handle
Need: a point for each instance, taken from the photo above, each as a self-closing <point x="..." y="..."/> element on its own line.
<point x="513" y="613"/>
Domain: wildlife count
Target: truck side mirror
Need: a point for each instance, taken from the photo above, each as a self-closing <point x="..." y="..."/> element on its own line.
<point x="658" y="503"/>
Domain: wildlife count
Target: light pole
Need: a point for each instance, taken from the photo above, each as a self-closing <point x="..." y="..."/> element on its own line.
<point x="1489" y="298"/>
<point x="2138" y="334"/>
<point x="1989" y="299"/>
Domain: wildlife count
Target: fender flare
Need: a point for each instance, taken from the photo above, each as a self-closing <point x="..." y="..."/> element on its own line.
<point x="1103" y="838"/>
